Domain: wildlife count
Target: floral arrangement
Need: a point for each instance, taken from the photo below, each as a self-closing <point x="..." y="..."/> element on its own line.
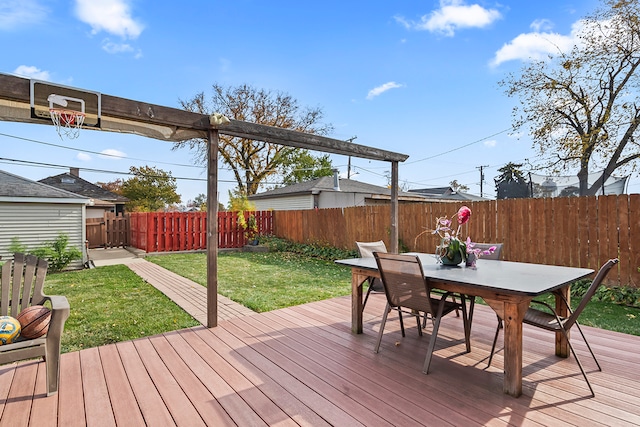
<point x="452" y="249"/>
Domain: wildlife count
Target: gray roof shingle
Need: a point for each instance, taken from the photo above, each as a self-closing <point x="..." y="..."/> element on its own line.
<point x="16" y="186"/>
<point x="75" y="184"/>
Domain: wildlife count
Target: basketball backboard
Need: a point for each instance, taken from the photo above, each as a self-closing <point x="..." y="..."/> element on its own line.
<point x="47" y="95"/>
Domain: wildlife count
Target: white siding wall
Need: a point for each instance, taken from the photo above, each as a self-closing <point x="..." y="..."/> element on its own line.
<point x="337" y="199"/>
<point x="286" y="203"/>
<point x="37" y="223"/>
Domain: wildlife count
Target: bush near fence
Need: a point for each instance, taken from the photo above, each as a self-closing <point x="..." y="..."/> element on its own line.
<point x="569" y="231"/>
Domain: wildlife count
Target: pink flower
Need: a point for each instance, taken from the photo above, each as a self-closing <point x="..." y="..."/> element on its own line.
<point x="464" y="213"/>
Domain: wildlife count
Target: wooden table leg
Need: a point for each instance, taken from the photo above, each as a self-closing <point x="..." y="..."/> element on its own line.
<point x="512" y="314"/>
<point x="357" y="279"/>
<point x="562" y="345"/>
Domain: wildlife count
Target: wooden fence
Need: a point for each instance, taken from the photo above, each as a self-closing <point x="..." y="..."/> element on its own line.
<point x="570" y="231"/>
<point x="186" y="231"/>
<point x="109" y="231"/>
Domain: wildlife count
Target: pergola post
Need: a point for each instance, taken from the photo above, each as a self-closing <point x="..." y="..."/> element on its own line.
<point x="394" y="207"/>
<point x="212" y="228"/>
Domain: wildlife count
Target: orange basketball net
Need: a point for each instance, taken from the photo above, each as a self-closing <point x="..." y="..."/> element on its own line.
<point x="67" y="122"/>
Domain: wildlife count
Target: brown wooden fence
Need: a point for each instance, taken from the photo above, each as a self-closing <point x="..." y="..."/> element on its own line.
<point x="186" y="231"/>
<point x="111" y="230"/>
<point x="571" y="231"/>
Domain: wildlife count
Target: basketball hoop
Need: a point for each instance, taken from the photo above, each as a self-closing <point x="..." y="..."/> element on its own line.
<point x="67" y="122"/>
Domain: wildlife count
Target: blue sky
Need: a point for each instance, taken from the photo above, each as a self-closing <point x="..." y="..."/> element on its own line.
<point x="416" y="77"/>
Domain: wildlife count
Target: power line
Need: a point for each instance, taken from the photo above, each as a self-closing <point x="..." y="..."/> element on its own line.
<point x="460" y="147"/>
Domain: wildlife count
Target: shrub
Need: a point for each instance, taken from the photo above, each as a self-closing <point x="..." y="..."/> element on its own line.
<point x="315" y="250"/>
<point x="57" y="254"/>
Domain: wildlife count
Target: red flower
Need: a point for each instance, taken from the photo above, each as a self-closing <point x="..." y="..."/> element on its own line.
<point x="464" y="213"/>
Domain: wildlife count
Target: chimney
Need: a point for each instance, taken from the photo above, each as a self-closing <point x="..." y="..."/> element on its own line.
<point x="336" y="180"/>
<point x="74" y="171"/>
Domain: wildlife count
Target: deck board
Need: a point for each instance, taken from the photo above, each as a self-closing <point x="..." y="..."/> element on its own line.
<point x="303" y="366"/>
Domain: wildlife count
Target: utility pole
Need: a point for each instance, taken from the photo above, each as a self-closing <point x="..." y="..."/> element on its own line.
<point x="481" y="177"/>
<point x="349" y="164"/>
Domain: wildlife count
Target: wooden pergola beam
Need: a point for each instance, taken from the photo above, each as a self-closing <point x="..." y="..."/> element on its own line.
<point x="172" y="124"/>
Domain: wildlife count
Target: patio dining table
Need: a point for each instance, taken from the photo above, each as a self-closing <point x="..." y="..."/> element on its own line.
<point x="507" y="287"/>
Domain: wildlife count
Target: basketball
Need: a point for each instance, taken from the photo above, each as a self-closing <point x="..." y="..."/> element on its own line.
<point x="9" y="329"/>
<point x="34" y="321"/>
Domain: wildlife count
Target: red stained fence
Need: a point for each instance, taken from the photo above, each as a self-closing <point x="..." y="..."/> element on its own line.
<point x="187" y="231"/>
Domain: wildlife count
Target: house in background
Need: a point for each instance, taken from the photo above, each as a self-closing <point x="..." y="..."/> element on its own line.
<point x="37" y="213"/>
<point x="101" y="200"/>
<point x="327" y="192"/>
<point x="446" y="194"/>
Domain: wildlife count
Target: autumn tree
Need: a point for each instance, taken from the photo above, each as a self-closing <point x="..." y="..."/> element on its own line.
<point x="252" y="162"/>
<point x="114" y="186"/>
<point x="150" y="189"/>
<point x="582" y="106"/>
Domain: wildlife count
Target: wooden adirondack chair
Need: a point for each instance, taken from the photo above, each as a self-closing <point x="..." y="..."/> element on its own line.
<point x="22" y="281"/>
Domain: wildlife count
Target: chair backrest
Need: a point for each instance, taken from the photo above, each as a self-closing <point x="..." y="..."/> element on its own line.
<point x="404" y="281"/>
<point x="367" y="249"/>
<point x="485" y="246"/>
<point x="21" y="281"/>
<point x="597" y="281"/>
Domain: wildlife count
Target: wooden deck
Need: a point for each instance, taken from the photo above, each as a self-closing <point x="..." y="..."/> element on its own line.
<point x="303" y="366"/>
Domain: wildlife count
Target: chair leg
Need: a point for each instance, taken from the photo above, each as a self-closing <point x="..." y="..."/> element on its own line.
<point x="401" y="321"/>
<point x="432" y="341"/>
<point x="495" y="339"/>
<point x="367" y="296"/>
<point x="52" y="365"/>
<point x="584" y="374"/>
<point x="588" y="346"/>
<point x="417" y="314"/>
<point x="384" y="322"/>
<point x="472" y="305"/>
<point x="466" y="323"/>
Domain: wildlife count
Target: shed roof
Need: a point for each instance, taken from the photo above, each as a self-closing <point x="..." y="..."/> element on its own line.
<point x="325" y="183"/>
<point x="16" y="187"/>
<point x="75" y="184"/>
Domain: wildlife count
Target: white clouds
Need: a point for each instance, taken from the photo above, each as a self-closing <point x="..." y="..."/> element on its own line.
<point x="537" y="45"/>
<point x="112" y="154"/>
<point x="32" y="72"/>
<point x="16" y="14"/>
<point x="83" y="157"/>
<point x="490" y="143"/>
<point x="453" y="15"/>
<point x="111" y="16"/>
<point x="383" y="88"/>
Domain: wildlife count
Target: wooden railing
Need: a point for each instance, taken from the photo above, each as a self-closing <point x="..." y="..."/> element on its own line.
<point x="187" y="231"/>
<point x="570" y="231"/>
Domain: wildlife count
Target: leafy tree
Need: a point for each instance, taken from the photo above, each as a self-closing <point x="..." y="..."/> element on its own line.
<point x="301" y="166"/>
<point x="582" y="105"/>
<point x="511" y="183"/>
<point x="150" y="189"/>
<point x="253" y="161"/>
<point x="114" y="186"/>
<point x="455" y="186"/>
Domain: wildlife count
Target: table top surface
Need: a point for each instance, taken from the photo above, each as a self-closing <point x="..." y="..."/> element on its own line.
<point x="503" y="276"/>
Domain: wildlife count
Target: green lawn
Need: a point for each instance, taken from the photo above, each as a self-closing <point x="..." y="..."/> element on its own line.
<point x="265" y="281"/>
<point x="111" y="304"/>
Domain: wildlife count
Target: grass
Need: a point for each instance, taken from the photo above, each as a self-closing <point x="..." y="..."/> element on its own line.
<point x="112" y="304"/>
<point x="265" y="281"/>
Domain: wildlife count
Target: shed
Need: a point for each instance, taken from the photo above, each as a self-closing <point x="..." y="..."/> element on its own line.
<point x="37" y="213"/>
<point x="327" y="192"/>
